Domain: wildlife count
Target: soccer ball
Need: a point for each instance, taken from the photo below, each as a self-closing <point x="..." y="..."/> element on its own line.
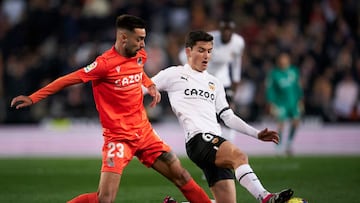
<point x="296" y="200"/>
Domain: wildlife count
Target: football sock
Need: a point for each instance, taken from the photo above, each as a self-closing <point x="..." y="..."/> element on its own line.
<point x="194" y="193"/>
<point x="292" y="133"/>
<point x="85" y="198"/>
<point x="248" y="179"/>
<point x="280" y="138"/>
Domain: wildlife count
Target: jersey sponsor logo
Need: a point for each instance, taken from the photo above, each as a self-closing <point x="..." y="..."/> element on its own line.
<point x="199" y="93"/>
<point x="128" y="80"/>
<point x="90" y="67"/>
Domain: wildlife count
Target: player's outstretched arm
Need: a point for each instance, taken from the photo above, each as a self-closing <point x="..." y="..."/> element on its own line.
<point x="154" y="92"/>
<point x="268" y="136"/>
<point x="21" y="102"/>
<point x="58" y="84"/>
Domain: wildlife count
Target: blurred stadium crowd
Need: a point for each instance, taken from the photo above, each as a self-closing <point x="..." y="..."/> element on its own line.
<point x="41" y="40"/>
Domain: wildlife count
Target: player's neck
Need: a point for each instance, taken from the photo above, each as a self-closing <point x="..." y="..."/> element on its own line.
<point x="119" y="50"/>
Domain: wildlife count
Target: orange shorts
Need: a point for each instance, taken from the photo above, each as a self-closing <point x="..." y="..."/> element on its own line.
<point x="118" y="150"/>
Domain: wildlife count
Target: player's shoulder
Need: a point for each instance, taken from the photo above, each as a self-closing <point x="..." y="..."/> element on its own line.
<point x="173" y="69"/>
<point x="238" y="37"/>
<point x="273" y="71"/>
<point x="108" y="54"/>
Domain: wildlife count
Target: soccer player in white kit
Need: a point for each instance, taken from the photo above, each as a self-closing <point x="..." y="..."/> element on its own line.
<point x="197" y="97"/>
<point x="225" y="63"/>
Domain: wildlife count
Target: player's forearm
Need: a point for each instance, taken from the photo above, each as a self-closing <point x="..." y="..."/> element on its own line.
<point x="55" y="86"/>
<point x="236" y="123"/>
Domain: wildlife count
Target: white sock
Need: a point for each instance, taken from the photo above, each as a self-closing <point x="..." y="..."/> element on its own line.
<point x="248" y="179"/>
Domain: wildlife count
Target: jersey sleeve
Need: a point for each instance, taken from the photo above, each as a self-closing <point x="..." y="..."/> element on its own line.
<point x="146" y="81"/>
<point x="161" y="79"/>
<point x="93" y="71"/>
<point x="55" y="86"/>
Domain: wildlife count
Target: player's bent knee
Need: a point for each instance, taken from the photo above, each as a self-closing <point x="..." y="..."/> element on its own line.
<point x="240" y="157"/>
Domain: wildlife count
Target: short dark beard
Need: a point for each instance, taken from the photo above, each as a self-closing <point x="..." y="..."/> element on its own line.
<point x="129" y="53"/>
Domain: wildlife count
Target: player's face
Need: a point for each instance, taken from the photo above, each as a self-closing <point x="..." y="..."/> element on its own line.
<point x="134" y="41"/>
<point x="284" y="61"/>
<point x="199" y="56"/>
<point x="226" y="35"/>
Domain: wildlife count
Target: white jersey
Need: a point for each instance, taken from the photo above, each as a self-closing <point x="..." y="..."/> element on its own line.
<point x="224" y="57"/>
<point x="196" y="98"/>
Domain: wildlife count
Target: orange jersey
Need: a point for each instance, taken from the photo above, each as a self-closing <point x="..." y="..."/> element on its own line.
<point x="116" y="83"/>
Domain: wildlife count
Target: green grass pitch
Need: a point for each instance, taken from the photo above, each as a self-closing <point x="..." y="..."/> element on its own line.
<point x="319" y="179"/>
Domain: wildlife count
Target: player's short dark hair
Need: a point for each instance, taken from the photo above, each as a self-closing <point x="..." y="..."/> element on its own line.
<point x="129" y="22"/>
<point x="196" y="36"/>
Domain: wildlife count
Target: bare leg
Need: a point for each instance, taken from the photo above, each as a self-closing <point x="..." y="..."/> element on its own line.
<point x="108" y="187"/>
<point x="169" y="166"/>
<point x="224" y="191"/>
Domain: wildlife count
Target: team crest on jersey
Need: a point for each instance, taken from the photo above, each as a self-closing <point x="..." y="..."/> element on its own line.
<point x="140" y="61"/>
<point x="211" y="86"/>
<point x="90" y="67"/>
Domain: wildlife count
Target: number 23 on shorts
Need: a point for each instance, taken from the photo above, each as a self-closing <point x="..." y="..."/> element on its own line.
<point x="115" y="149"/>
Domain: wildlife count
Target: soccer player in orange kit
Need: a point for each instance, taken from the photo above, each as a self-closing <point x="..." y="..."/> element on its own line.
<point x="117" y="77"/>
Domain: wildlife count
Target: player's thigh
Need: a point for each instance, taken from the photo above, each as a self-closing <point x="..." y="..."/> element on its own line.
<point x="108" y="185"/>
<point x="230" y="156"/>
<point x="151" y="147"/>
<point x="224" y="191"/>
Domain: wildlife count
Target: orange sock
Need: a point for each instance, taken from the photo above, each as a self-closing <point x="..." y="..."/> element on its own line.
<point x="85" y="198"/>
<point x="194" y="193"/>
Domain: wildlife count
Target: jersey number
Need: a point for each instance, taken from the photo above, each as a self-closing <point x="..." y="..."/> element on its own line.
<point x="207" y="137"/>
<point x="115" y="150"/>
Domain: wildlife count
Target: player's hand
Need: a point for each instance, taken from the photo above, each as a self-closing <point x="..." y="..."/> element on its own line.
<point x="21" y="102"/>
<point x="269" y="136"/>
<point x="154" y="92"/>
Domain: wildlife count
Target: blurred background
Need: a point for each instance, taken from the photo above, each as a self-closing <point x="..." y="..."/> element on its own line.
<point x="41" y="40"/>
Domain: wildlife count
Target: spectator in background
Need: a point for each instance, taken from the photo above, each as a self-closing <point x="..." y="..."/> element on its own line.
<point x="345" y="98"/>
<point x="320" y="102"/>
<point x="285" y="98"/>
